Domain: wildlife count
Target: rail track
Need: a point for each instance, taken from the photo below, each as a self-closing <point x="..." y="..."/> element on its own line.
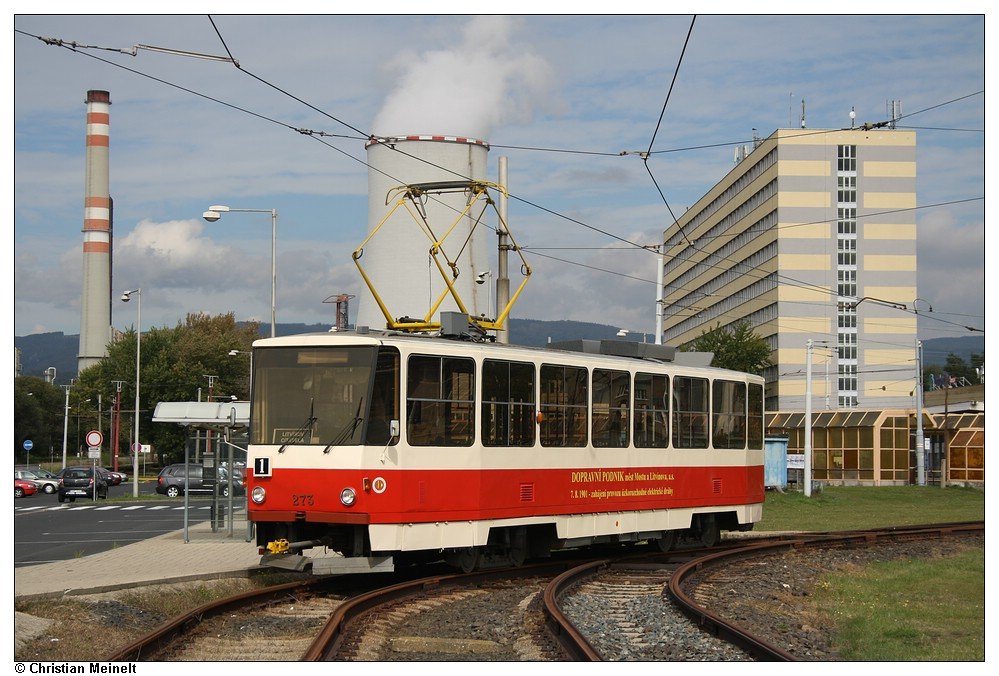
<point x="314" y="620"/>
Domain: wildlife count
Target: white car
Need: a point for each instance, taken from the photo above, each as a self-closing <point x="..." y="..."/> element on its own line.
<point x="48" y="486"/>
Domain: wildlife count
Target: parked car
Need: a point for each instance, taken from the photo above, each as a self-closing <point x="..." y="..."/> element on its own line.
<point x="170" y="481"/>
<point x="81" y="482"/>
<point x="38" y="470"/>
<point x="49" y="486"/>
<point x="23" y="487"/>
<point x="112" y="478"/>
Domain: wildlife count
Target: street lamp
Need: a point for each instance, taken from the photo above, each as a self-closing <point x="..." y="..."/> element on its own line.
<point x="249" y="384"/>
<point x="481" y="279"/>
<point x="215" y="212"/>
<point x="125" y="297"/>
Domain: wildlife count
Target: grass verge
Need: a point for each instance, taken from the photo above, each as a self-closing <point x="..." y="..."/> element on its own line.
<point x="913" y="610"/>
<point x="856" y="507"/>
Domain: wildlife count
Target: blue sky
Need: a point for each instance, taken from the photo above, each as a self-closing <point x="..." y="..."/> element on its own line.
<point x="577" y="83"/>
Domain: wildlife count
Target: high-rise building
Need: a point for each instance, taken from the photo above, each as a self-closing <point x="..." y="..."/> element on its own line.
<point x="811" y="236"/>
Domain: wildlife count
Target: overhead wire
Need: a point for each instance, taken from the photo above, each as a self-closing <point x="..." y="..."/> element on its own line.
<point x="645" y="157"/>
<point x="633" y="245"/>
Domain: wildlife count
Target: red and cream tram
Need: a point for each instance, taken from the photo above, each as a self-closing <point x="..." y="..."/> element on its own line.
<point x="376" y="444"/>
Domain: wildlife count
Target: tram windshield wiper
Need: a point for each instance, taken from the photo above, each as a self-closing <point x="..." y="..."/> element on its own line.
<point x="299" y="434"/>
<point x="347" y="431"/>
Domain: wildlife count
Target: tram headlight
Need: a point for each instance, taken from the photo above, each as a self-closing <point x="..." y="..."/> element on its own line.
<point x="347" y="497"/>
<point x="258" y="494"/>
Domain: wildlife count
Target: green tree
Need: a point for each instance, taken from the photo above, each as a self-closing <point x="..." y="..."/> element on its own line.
<point x="38" y="416"/>
<point x="175" y="363"/>
<point x="736" y="347"/>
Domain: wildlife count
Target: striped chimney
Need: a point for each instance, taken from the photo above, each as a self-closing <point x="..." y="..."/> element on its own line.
<point x="95" y="306"/>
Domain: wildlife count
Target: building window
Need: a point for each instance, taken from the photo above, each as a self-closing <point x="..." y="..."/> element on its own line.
<point x="846" y="158"/>
<point x="846" y="189"/>
<point x="847" y="283"/>
<point x="846" y="223"/>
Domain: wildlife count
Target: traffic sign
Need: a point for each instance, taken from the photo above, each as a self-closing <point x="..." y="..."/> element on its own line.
<point x="95" y="438"/>
<point x="28" y="445"/>
<point x="94" y="452"/>
<point x="136" y="447"/>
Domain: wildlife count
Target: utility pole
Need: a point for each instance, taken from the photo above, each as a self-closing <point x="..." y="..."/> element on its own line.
<point x="660" y="269"/>
<point x="208" y="434"/>
<point x="65" y="425"/>
<point x="116" y="421"/>
<point x="503" y="278"/>
<point x="920" y="444"/>
<point x="808" y="418"/>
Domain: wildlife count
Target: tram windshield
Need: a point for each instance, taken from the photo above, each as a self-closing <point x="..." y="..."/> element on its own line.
<point x="311" y="395"/>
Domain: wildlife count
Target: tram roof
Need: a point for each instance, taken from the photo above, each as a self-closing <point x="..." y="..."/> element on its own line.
<point x="625" y="352"/>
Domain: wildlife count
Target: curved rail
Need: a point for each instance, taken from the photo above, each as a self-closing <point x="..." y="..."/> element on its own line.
<point x="152" y="642"/>
<point x="756" y="646"/>
<point x="559" y="626"/>
<point x="333" y="633"/>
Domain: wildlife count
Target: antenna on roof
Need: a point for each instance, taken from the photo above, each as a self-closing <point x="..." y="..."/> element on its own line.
<point x="802" y="113"/>
<point x="853" y="116"/>
<point x="894" y="111"/>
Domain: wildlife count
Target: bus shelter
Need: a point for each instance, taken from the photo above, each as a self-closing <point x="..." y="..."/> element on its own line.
<point x="224" y="419"/>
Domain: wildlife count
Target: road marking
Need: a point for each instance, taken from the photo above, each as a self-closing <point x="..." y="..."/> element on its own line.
<point x="77" y="508"/>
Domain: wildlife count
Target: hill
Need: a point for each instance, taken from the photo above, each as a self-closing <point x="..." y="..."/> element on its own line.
<point x="42" y="350"/>
<point x="935" y="350"/>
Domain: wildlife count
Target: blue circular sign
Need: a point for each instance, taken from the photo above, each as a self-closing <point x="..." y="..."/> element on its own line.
<point x="27" y="444"/>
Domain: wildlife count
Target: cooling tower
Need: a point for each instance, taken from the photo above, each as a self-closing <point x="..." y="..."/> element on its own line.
<point x="95" y="306"/>
<point x="397" y="258"/>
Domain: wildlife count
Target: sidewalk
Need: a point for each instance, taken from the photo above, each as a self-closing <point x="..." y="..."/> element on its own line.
<point x="165" y="558"/>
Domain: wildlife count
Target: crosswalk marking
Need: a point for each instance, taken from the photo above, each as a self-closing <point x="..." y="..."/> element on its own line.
<point x="151" y="508"/>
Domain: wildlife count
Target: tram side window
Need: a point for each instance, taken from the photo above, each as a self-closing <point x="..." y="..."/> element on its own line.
<point x="690" y="412"/>
<point x="611" y="407"/>
<point x="651" y="410"/>
<point x="563" y="406"/>
<point x="507" y="403"/>
<point x="440" y="401"/>
<point x="755" y="422"/>
<point x="728" y="414"/>
<point x="384" y="398"/>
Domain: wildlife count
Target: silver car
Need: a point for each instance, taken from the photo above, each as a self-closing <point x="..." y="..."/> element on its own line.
<point x="45" y="485"/>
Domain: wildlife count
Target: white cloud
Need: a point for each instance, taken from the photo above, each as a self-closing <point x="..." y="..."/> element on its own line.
<point x="590" y="83"/>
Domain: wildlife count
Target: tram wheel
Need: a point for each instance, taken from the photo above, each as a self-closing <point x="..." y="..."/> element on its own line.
<point x="709" y="533"/>
<point x="468" y="559"/>
<point x="667" y="542"/>
<point x="518" y="547"/>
